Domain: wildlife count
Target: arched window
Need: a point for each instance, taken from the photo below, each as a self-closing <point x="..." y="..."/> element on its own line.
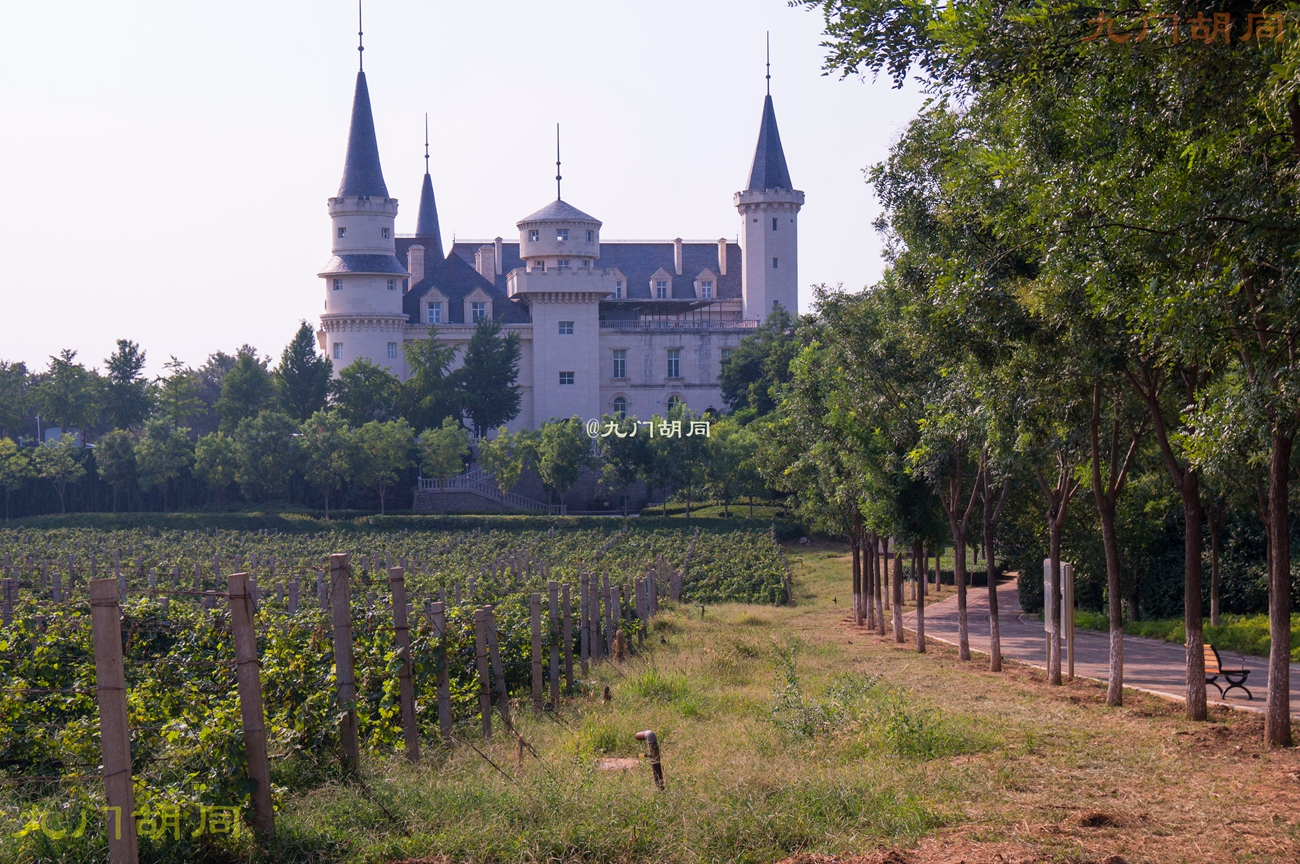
<point x="673" y="401"/>
<point x="620" y="407"/>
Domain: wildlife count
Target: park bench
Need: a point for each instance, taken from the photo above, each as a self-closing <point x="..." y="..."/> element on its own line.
<point x="1234" y="678"/>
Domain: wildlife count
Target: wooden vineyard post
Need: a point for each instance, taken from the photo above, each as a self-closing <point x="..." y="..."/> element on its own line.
<point x="57" y="590"/>
<point x="438" y="618"/>
<point x="340" y="595"/>
<point x="293" y="596"/>
<point x="7" y="601"/>
<point x="498" y="671"/>
<point x="114" y="734"/>
<point x="593" y="619"/>
<point x="251" y="712"/>
<point x="402" y="635"/>
<point x="536" y="618"/>
<point x="553" y="616"/>
<point x="568" y="638"/>
<point x="584" y="644"/>
<point x="610" y="602"/>
<point x="640" y="610"/>
<point x="481" y="664"/>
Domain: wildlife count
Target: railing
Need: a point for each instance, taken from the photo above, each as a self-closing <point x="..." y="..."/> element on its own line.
<point x="688" y="324"/>
<point x="478" y="482"/>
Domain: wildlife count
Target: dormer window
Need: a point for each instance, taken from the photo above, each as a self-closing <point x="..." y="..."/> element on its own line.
<point x="533" y="236"/>
<point x="434" y="315"/>
<point x="706" y="290"/>
<point x="477" y="311"/>
<point x="343" y="232"/>
<point x="618" y="290"/>
<point x="383" y="232"/>
<point x="591" y="236"/>
<point x="661" y="290"/>
<point x="561" y="235"/>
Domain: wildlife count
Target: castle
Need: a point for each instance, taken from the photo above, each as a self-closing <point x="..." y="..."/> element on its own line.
<point x="606" y="327"/>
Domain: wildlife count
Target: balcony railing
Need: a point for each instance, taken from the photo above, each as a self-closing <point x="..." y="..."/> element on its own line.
<point x="682" y="324"/>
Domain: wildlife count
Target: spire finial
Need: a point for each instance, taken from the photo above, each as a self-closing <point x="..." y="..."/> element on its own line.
<point x="769" y="63"/>
<point x="361" y="47"/>
<point x="426" y="142"/>
<point x="557" y="161"/>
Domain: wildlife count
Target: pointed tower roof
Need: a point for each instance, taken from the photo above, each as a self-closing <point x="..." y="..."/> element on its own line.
<point x="426" y="223"/>
<point x="769" y="170"/>
<point x="362" y="176"/>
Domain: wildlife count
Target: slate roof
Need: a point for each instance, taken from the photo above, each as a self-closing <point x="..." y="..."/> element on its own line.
<point x="362" y="176"/>
<point x="558" y="211"/>
<point x="356" y="263"/>
<point x="638" y="262"/>
<point x="426" y="223"/>
<point x="456" y="278"/>
<point x="769" y="170"/>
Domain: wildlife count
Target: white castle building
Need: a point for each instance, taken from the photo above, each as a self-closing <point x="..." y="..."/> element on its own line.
<point x="606" y="327"/>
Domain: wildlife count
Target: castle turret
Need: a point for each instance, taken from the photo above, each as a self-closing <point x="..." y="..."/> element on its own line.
<point x="769" y="221"/>
<point x="427" y="230"/>
<point x="363" y="279"/>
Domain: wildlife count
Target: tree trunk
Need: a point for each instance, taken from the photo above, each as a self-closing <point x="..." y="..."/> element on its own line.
<point x="1106" y="512"/>
<point x="959" y="577"/>
<point x="1192" y="618"/>
<point x="1053" y="605"/>
<point x="1277" y="722"/>
<point x="115" y="497"/>
<point x="869" y="578"/>
<point x="896" y="587"/>
<point x="1216" y="527"/>
<point x="990" y="524"/>
<point x="327" y="504"/>
<point x="882" y="561"/>
<point x="920" y="600"/>
<point x="855" y="544"/>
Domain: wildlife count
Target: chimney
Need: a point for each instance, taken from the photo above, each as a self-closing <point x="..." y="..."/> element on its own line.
<point x="722" y="256"/>
<point x="677" y="255"/>
<point x="485" y="262"/>
<point x="415" y="263"/>
<point x="500" y="257"/>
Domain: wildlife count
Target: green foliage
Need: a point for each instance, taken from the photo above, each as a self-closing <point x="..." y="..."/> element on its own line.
<point x="115" y="460"/>
<point x="15" y="394"/>
<point x="216" y="460"/>
<point x="128" y="397"/>
<point x="563" y="450"/>
<point x="365" y="392"/>
<point x="383" y="454"/>
<point x="487" y="377"/>
<point x="753" y="375"/>
<point x="504" y="458"/>
<point x="162" y="454"/>
<point x="302" y="378"/>
<point x="266" y="455"/>
<point x="329" y="451"/>
<point x="15" y="469"/>
<point x="245" y="391"/>
<point x="68" y="394"/>
<point x="429" y="393"/>
<point x="59" y="464"/>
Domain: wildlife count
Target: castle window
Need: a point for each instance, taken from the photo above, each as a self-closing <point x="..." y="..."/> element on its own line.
<point x="539" y="265"/>
<point x="566" y="328"/>
<point x="661" y="290"/>
<point x="773" y="223"/>
<point x="533" y="236"/>
<point x="618" y="290"/>
<point x="343" y="232"/>
<point x="561" y="235"/>
<point x="776" y="262"/>
<point x="673" y="401"/>
<point x="620" y="362"/>
<point x="392" y="350"/>
<point x="586" y="263"/>
<point x="674" y="362"/>
<point x="566" y="378"/>
<point x="706" y="290"/>
<point x="726" y="354"/>
<point x="620" y="407"/>
<point x="591" y="236"/>
<point x="434" y="315"/>
<point x="562" y="262"/>
<point x="338" y="350"/>
<point x="392" y="284"/>
<point x="477" y="312"/>
<point x="383" y="232"/>
<point x="338" y="284"/>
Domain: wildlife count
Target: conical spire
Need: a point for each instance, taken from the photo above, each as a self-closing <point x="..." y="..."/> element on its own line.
<point x="362" y="176"/>
<point x="769" y="171"/>
<point x="426" y="223"/>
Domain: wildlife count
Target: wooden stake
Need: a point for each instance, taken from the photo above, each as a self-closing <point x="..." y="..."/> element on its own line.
<point x="568" y="639"/>
<point x="584" y="644"/>
<point x="114" y="734"/>
<point x="438" y="619"/>
<point x="553" y="614"/>
<point x="536" y="618"/>
<point x="250" y="701"/>
<point x="481" y="664"/>
<point x="345" y="678"/>
<point x="498" y="671"/>
<point x="402" y="635"/>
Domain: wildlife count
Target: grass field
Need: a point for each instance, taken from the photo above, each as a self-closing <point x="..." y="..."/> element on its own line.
<point x="787" y="733"/>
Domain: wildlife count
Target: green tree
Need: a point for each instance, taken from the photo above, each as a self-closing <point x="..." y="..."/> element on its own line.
<point x="430" y="393"/>
<point x="15" y="469"/>
<point x="245" y="390"/>
<point x="163" y="452"/>
<point x="14" y="397"/>
<point x="624" y="458"/>
<point x="68" y="395"/>
<point x="216" y="461"/>
<point x="302" y="379"/>
<point x="486" y="380"/>
<point x="365" y="392"/>
<point x="178" y="393"/>
<point x="266" y="455"/>
<point x="504" y="459"/>
<point x="58" y="463"/>
<point x="443" y="452"/>
<point x="729" y="463"/>
<point x="754" y="373"/>
<point x="563" y="451"/>
<point x="383" y="455"/>
<point x="328" y="452"/>
<point x="127" y="393"/>
<point x="115" y="460"/>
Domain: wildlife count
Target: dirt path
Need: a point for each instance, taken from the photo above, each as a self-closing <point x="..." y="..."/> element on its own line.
<point x="1149" y="664"/>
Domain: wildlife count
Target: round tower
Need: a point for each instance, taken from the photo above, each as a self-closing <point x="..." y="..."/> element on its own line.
<point x="769" y="227"/>
<point x="559" y="232"/>
<point x="363" y="315"/>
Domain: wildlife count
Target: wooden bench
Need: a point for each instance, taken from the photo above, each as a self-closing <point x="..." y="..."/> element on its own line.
<point x="1234" y="678"/>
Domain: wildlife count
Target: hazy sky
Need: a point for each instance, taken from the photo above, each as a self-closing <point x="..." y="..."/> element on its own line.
<point x="169" y="163"/>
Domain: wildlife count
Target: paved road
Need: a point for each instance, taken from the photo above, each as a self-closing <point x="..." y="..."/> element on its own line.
<point x="1149" y="664"/>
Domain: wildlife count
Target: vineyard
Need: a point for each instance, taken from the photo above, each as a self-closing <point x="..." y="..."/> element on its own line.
<point x="182" y="702"/>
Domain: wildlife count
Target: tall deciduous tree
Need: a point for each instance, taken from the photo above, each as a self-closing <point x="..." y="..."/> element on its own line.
<point x="329" y="452"/>
<point x="430" y="393"/>
<point x="163" y="452"/>
<point x="216" y="461"/>
<point x="266" y="455"/>
<point x="302" y="378"/>
<point x="59" y="464"/>
<point x="115" y="460"/>
<point x="563" y="451"/>
<point x="752" y="376"/>
<point x="127" y="394"/>
<point x="366" y="392"/>
<point x="443" y="452"/>
<point x="14" y="397"/>
<point x="245" y="390"/>
<point x="383" y="455"/>
<point x="68" y="394"/>
<point x="504" y="459"/>
<point x="487" y="377"/>
<point x="15" y="469"/>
